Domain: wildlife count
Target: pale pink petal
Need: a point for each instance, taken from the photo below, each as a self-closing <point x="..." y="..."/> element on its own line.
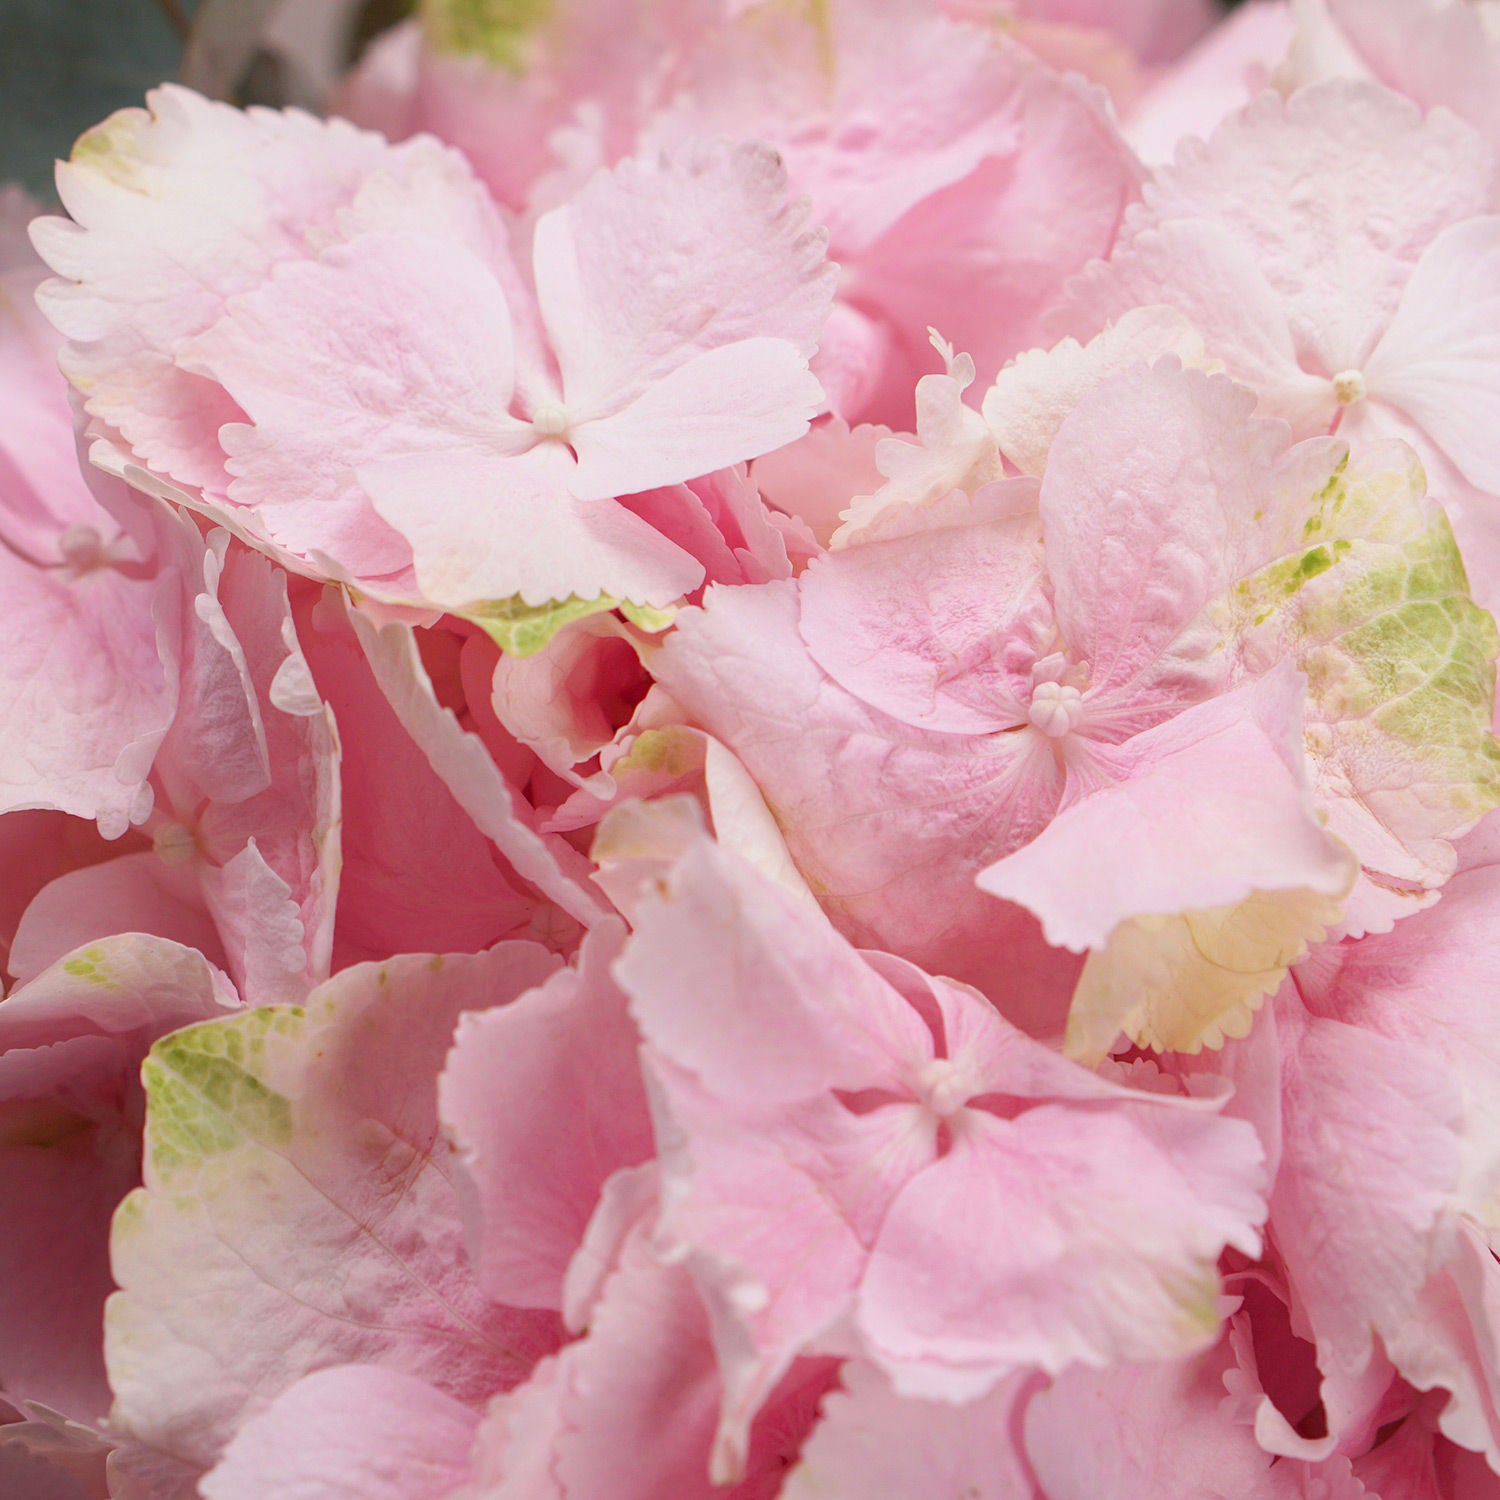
<point x="353" y="1432"/>
<point x="71" y="1044"/>
<point x="1212" y="805"/>
<point x="1436" y="52"/>
<point x="462" y="763"/>
<point x="176" y="211"/>
<point x="986" y="259"/>
<point x="84" y="697"/>
<point x="1370" y="1160"/>
<point x="131" y="893"/>
<point x="940" y="628"/>
<point x="775" y="1210"/>
<point x="1036" y="392"/>
<point x="933" y="150"/>
<point x="1222" y="73"/>
<point x="657" y="264"/>
<point x="815" y="478"/>
<point x="312" y="359"/>
<point x="1142" y="534"/>
<point x="642" y="1382"/>
<point x="544" y="1100"/>
<point x="249" y="779"/>
<point x="1151" y="1432"/>
<point x="1206" y="271"/>
<point x="1453" y="1344"/>
<point x="954" y="449"/>
<point x="296" y="1171"/>
<point x="507" y="119"/>
<point x="1068" y="1235"/>
<point x="755" y="993"/>
<point x="1424" y="988"/>
<point x="1439" y="360"/>
<point x="260" y="922"/>
<point x="875" y="1444"/>
<point x="887" y="823"/>
<point x="1337" y="243"/>
<point x="728" y="404"/>
<point x="473" y="525"/>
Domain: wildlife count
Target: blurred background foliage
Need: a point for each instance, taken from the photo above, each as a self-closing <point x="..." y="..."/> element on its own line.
<point x="65" y="64"/>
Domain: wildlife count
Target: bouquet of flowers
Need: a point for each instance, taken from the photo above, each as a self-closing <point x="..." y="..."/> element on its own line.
<point x="747" y="751"/>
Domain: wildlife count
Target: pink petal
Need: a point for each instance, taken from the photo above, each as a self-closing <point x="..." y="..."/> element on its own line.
<point x="1336" y="243"/>
<point x="353" y="1432"/>
<point x="472" y="523"/>
<point x="176" y="211"/>
<point x="889" y="824"/>
<point x="1205" y="270"/>
<point x="544" y="1100"/>
<point x="462" y="763"/>
<point x="756" y="995"/>
<point x="1067" y="1235"/>
<point x="417" y="875"/>
<point x="1439" y="365"/>
<point x="308" y="1188"/>
<point x="728" y="404"/>
<point x="1152" y="1432"/>
<point x="131" y="893"/>
<point x="1371" y="1157"/>
<point x="71" y="1044"/>
<point x="941" y="628"/>
<point x="327" y="386"/>
<point x="878" y="1445"/>
<point x="1213" y="805"/>
<point x="659" y="263"/>
<point x="1142" y="535"/>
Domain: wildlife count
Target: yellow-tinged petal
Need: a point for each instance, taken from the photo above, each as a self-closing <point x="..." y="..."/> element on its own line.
<point x="1181" y="983"/>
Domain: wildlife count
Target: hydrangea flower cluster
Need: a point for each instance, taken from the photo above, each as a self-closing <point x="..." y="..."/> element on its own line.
<point x="748" y="751"/>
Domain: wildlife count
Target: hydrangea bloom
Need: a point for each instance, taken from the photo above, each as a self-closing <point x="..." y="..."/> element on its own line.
<point x="734" y="765"/>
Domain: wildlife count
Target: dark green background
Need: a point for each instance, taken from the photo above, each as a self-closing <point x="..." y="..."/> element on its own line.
<point x="65" y="64"/>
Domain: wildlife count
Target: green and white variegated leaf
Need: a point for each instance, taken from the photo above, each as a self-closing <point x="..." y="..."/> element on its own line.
<point x="1374" y="607"/>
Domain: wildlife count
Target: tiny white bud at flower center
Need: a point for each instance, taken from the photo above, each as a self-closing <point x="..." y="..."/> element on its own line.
<point x="174" y="843"/>
<point x="1056" y="708"/>
<point x="946" y="1086"/>
<point x="550" y="419"/>
<point x="1349" y="387"/>
<point x="82" y="548"/>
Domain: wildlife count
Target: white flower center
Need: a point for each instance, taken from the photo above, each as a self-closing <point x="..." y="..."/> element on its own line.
<point x="174" y="843"/>
<point x="551" y="420"/>
<point x="82" y="549"/>
<point x="1349" y="387"/>
<point x="1056" y="708"/>
<point x="945" y="1086"/>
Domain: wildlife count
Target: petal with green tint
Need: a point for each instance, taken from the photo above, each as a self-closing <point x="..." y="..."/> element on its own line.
<point x="499" y="31"/>
<point x="297" y="1210"/>
<point x="1400" y="661"/>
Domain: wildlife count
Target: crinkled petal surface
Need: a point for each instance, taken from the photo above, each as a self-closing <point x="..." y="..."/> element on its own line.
<point x="353" y="1432"/>
<point x="296" y="1172"/>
